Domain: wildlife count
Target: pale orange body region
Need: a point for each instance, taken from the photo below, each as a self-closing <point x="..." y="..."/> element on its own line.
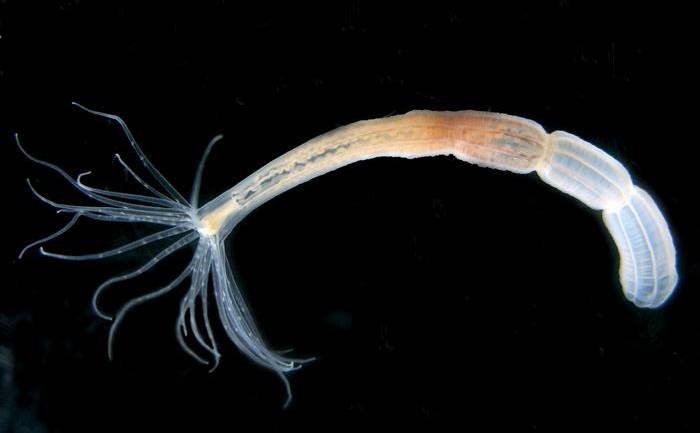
<point x="487" y="139"/>
<point x="498" y="140"/>
<point x="491" y="139"/>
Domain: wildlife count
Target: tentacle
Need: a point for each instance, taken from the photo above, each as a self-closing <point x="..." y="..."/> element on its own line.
<point x="110" y="210"/>
<point x="148" y="265"/>
<point x="94" y="194"/>
<point x="180" y="326"/>
<point x="65" y="228"/>
<point x="163" y="202"/>
<point x="194" y="198"/>
<point x="121" y="249"/>
<point x="144" y="183"/>
<point x="207" y="326"/>
<point x="239" y="324"/>
<point x="135" y="219"/>
<point x="287" y="389"/>
<point x="99" y="195"/>
<point x="286" y="363"/>
<point x="200" y="278"/>
<point x="193" y="322"/>
<point x="150" y="167"/>
<point x="180" y="334"/>
<point x="147" y="297"/>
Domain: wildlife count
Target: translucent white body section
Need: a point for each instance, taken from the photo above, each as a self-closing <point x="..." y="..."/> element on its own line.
<point x="647" y="255"/>
<point x="586" y="172"/>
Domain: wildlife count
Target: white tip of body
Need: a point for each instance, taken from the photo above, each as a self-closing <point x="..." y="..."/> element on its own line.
<point x="647" y="254"/>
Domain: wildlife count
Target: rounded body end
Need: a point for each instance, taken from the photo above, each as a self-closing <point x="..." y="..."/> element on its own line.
<point x="647" y="255"/>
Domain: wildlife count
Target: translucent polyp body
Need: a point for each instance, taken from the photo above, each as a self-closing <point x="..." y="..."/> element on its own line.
<point x="568" y="163"/>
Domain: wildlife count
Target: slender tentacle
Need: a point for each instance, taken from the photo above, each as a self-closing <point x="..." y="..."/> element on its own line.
<point x="58" y="233"/>
<point x="147" y="297"/>
<point x="181" y="341"/>
<point x="166" y="216"/>
<point x="207" y="325"/>
<point x="200" y="276"/>
<point x="145" y="184"/>
<point x="181" y="333"/>
<point x="162" y="202"/>
<point x="134" y="219"/>
<point x="198" y="290"/>
<point x="123" y="248"/>
<point x="149" y="166"/>
<point x="90" y="192"/>
<point x="180" y="243"/>
<point x="103" y="196"/>
<point x="194" y="198"/>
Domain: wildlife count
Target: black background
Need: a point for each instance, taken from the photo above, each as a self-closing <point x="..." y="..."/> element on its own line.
<point x="431" y="291"/>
